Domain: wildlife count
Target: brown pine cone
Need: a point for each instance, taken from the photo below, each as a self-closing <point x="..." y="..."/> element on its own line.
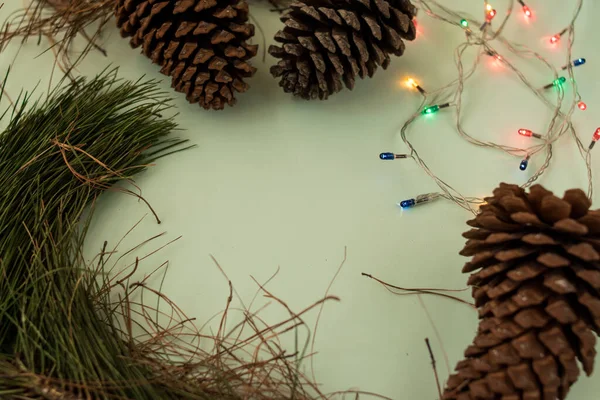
<point x="537" y="291"/>
<point x="201" y="44"/>
<point x="327" y="41"/>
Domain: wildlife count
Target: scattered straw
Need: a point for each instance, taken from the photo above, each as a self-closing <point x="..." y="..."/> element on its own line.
<point x="61" y="22"/>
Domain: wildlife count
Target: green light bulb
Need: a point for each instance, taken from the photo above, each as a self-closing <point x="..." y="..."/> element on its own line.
<point x="464" y="23"/>
<point x="431" y="110"/>
<point x="560" y="81"/>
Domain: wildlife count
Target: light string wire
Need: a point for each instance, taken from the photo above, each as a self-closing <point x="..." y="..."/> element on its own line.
<point x="560" y="123"/>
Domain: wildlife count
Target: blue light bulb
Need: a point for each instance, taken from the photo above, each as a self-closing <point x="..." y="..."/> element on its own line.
<point x="523" y="165"/>
<point x="392" y="156"/>
<point x="407" y="203"/>
<point x="576" y="63"/>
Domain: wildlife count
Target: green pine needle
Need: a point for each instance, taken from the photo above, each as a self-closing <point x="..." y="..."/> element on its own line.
<point x="70" y="330"/>
<point x="56" y="157"/>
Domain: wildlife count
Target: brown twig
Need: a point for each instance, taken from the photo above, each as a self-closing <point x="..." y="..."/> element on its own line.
<point x="433" y="292"/>
<point x="433" y="366"/>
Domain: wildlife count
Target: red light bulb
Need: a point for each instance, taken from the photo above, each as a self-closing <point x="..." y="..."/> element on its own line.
<point x="491" y="14"/>
<point x="555" y="39"/>
<point x="528" y="133"/>
<point x="582" y="106"/>
<point x="527" y="11"/>
<point x="525" y="132"/>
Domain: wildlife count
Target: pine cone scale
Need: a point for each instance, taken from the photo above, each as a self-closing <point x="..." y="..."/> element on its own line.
<point x="536" y="278"/>
<point x="330" y="43"/>
<point x="195" y="42"/>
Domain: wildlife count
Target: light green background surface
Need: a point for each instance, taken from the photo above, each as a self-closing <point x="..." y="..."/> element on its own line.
<point x="280" y="183"/>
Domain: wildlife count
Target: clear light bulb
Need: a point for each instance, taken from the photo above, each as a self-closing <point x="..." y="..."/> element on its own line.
<point x="411" y="83"/>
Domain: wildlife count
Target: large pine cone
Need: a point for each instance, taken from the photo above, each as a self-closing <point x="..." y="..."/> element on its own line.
<point x="537" y="291"/>
<point x="327" y="41"/>
<point x="201" y="44"/>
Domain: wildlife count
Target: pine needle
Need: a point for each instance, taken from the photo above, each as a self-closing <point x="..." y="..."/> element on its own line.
<point x="50" y="170"/>
<point x="71" y="329"/>
<point x="60" y="22"/>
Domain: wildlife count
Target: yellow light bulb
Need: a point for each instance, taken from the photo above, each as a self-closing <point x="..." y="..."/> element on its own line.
<point x="410" y="82"/>
<point x="488" y="7"/>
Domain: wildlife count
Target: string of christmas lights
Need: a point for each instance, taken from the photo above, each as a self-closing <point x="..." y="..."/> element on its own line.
<point x="451" y="96"/>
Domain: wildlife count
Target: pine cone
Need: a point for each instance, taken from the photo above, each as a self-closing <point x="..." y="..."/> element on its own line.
<point x="201" y="44"/>
<point x="537" y="291"/>
<point x="327" y="41"/>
